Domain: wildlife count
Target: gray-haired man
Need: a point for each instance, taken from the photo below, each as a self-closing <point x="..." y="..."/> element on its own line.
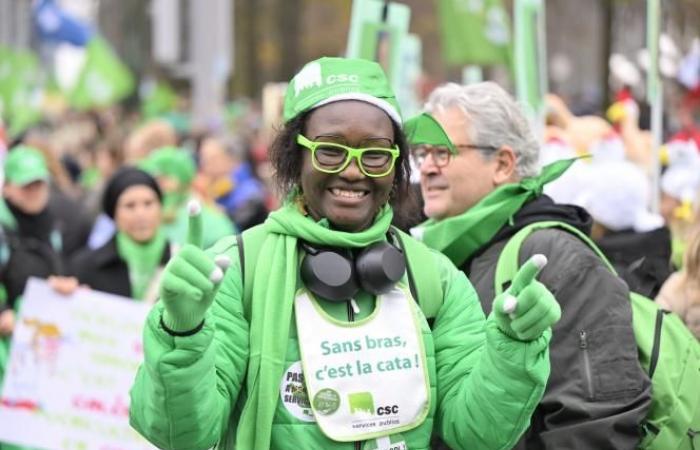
<point x="480" y="188"/>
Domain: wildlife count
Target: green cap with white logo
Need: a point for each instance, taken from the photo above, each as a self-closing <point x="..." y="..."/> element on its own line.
<point x="327" y="80"/>
<point x="24" y="165"/>
<point x="423" y="129"/>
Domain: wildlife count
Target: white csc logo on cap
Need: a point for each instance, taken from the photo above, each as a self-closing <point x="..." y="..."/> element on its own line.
<point x="308" y="77"/>
<point x="342" y="78"/>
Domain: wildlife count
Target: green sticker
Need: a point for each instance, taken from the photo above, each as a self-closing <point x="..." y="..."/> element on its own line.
<point x="326" y="402"/>
<point x="361" y="402"/>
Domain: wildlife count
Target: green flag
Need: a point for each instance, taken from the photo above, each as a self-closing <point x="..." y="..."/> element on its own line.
<point x="21" y="89"/>
<point x="103" y="80"/>
<point x="160" y="100"/>
<point x="474" y="32"/>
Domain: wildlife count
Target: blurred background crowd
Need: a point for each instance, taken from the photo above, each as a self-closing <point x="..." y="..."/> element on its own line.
<point x="115" y="113"/>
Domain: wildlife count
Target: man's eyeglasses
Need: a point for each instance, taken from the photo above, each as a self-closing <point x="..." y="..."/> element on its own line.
<point x="331" y="157"/>
<point x="441" y="154"/>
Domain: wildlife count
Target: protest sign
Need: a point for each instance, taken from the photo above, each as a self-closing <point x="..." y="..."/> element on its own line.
<point x="72" y="362"/>
<point x="378" y="32"/>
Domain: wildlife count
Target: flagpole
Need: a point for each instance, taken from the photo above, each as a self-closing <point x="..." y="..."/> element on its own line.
<point x="530" y="60"/>
<point x="655" y="99"/>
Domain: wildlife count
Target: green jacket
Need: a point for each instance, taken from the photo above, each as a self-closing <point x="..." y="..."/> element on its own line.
<point x="484" y="385"/>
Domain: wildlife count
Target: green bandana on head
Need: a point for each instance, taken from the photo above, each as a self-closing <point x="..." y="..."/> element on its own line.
<point x="459" y="237"/>
<point x="423" y="129"/>
<point x="327" y="80"/>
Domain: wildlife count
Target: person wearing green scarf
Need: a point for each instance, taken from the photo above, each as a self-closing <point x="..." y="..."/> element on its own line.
<point x="480" y="182"/>
<point x="131" y="262"/>
<point x="317" y="342"/>
<point x="174" y="169"/>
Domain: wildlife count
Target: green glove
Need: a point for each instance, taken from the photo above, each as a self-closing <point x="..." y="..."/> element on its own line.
<point x="190" y="279"/>
<point x="527" y="308"/>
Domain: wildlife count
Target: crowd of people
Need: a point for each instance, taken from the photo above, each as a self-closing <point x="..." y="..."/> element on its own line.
<point x="331" y="264"/>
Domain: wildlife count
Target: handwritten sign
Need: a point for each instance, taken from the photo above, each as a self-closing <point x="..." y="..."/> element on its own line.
<point x="72" y="362"/>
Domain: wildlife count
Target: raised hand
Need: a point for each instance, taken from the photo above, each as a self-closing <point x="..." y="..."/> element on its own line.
<point x="190" y="279"/>
<point x="527" y="308"/>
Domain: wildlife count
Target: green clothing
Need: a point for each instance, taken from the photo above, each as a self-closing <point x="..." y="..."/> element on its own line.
<point x="678" y="246"/>
<point x="484" y="385"/>
<point x="142" y="260"/>
<point x="218" y="225"/>
<point x="6" y="217"/>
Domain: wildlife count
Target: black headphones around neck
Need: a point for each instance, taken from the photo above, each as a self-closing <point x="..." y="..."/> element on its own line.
<point x="336" y="274"/>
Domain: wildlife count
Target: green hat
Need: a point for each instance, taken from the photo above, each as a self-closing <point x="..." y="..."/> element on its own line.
<point x="328" y="80"/>
<point x="170" y="161"/>
<point x="24" y="165"/>
<point x="424" y="129"/>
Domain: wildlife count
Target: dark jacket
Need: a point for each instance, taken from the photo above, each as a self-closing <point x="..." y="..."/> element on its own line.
<point x="38" y="245"/>
<point x="643" y="260"/>
<point x="102" y="269"/>
<point x="597" y="394"/>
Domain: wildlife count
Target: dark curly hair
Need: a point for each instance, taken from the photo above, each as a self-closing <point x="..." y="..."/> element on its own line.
<point x="287" y="160"/>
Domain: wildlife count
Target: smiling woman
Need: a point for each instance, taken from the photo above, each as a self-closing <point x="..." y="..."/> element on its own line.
<point x="348" y="199"/>
<point x="324" y="290"/>
<point x="349" y="123"/>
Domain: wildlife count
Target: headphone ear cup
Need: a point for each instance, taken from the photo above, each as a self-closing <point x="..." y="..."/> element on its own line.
<point x="330" y="275"/>
<point x="379" y="267"/>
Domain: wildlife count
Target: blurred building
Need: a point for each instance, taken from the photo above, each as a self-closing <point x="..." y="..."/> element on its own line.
<point x="15" y="19"/>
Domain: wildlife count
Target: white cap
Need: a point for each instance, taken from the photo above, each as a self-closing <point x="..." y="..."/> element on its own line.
<point x="617" y="197"/>
<point x="681" y="183"/>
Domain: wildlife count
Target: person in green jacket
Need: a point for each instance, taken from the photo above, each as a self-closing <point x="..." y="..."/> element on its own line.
<point x="316" y="342"/>
<point x="174" y="168"/>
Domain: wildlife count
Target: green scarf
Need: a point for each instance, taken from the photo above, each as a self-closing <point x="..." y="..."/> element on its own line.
<point x="142" y="259"/>
<point x="274" y="287"/>
<point x="459" y="237"/>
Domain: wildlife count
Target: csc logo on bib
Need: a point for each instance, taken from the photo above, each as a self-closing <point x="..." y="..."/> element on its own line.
<point x="387" y="410"/>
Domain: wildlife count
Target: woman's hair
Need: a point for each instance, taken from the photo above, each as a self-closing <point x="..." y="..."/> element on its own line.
<point x="691" y="263"/>
<point x="286" y="157"/>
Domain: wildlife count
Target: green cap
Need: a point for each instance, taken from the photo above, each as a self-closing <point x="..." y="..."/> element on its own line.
<point x="328" y="80"/>
<point x="172" y="162"/>
<point x="24" y="165"/>
<point x="423" y="129"/>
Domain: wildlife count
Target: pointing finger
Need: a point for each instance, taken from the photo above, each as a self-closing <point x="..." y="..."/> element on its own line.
<point x="222" y="261"/>
<point x="194" y="229"/>
<point x="527" y="273"/>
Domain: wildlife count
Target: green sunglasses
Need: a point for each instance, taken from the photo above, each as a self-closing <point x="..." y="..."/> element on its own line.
<point x="330" y="157"/>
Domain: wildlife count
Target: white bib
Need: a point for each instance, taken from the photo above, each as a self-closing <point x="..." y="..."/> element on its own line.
<point x="365" y="379"/>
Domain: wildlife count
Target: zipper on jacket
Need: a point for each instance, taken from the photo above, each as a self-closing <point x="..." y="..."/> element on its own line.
<point x="357" y="445"/>
<point x="583" y="345"/>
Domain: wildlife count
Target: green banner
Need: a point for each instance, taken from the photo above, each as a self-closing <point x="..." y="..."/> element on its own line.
<point x="474" y="32"/>
<point x="381" y="34"/>
<point x="379" y="43"/>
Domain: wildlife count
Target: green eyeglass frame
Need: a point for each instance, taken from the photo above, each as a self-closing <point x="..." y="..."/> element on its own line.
<point x="381" y="169"/>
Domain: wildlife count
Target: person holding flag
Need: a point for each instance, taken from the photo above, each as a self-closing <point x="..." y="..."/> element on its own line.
<point x="325" y="327"/>
<point x="482" y="189"/>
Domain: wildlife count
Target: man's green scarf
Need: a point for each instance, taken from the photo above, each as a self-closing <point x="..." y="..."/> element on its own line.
<point x="459" y="237"/>
<point x="274" y="288"/>
<point x="142" y="259"/>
